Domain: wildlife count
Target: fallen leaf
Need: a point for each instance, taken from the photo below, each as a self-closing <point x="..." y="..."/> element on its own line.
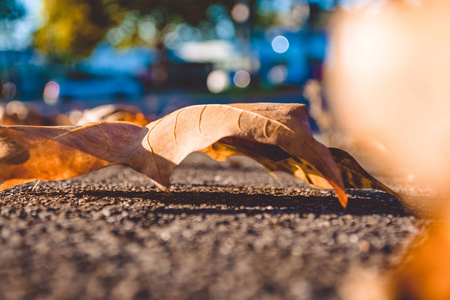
<point x="112" y="113"/>
<point x="271" y="158"/>
<point x="275" y="159"/>
<point x="354" y="176"/>
<point x="55" y="153"/>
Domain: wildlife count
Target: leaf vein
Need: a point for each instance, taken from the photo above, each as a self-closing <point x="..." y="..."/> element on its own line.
<point x="239" y="121"/>
<point x="175" y="131"/>
<point x="106" y="138"/>
<point x="200" y="121"/>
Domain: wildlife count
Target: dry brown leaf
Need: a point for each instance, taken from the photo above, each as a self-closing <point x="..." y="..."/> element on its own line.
<point x="54" y="153"/>
<point x="271" y="158"/>
<point x="355" y="176"/>
<point x="274" y="159"/>
<point x="112" y="113"/>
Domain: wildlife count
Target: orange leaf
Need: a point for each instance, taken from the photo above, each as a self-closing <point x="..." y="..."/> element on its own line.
<point x="56" y="153"/>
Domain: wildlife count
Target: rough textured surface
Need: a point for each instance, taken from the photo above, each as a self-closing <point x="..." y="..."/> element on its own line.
<point x="228" y="231"/>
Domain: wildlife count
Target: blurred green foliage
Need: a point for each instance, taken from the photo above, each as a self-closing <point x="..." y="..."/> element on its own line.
<point x="73" y="28"/>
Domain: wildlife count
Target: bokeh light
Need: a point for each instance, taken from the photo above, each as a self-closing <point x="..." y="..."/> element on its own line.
<point x="277" y="74"/>
<point x="225" y="29"/>
<point x="241" y="79"/>
<point x="51" y="92"/>
<point x="9" y="90"/>
<point x="300" y="11"/>
<point x="147" y="29"/>
<point x="17" y="108"/>
<point x="280" y="44"/>
<point x="240" y="12"/>
<point x="217" y="81"/>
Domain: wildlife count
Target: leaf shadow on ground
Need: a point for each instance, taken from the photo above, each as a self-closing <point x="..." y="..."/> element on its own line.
<point x="228" y="201"/>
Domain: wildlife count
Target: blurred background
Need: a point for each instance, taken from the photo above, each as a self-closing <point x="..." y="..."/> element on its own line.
<point x="61" y="57"/>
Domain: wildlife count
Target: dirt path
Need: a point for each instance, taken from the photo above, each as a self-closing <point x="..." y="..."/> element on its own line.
<point x="228" y="231"/>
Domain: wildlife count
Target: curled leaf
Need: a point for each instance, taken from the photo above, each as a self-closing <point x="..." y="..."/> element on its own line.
<point x="355" y="176"/>
<point x="274" y="159"/>
<point x="282" y="130"/>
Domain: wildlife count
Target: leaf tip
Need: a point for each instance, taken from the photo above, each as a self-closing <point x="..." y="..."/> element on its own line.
<point x="342" y="196"/>
<point x="343" y="199"/>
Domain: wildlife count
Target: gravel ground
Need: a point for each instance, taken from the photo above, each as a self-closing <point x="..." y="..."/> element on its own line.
<point x="228" y="231"/>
